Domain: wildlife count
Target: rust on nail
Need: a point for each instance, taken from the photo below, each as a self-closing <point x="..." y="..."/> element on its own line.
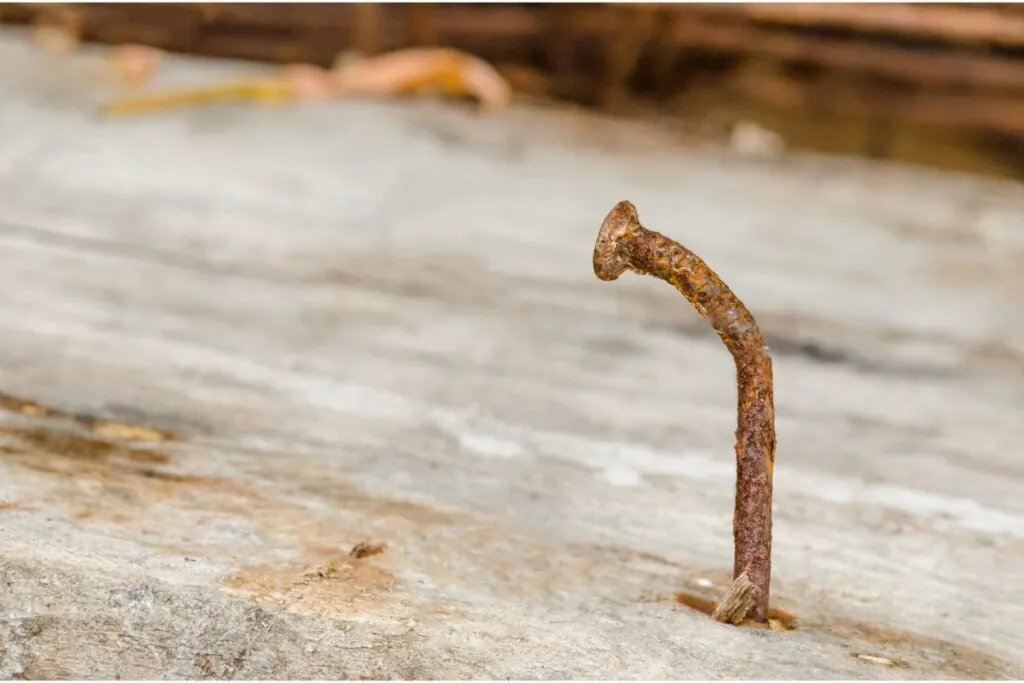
<point x="624" y="244"/>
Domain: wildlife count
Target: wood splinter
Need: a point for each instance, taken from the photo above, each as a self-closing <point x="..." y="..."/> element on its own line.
<point x="624" y="244"/>
<point x="736" y="604"/>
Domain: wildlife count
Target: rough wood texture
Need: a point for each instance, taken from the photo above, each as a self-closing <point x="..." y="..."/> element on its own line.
<point x="237" y="343"/>
<point x="737" y="602"/>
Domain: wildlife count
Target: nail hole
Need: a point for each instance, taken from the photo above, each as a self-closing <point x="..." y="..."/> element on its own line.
<point x="778" y="619"/>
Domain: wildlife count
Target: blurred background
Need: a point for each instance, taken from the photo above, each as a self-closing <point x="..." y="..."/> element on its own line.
<point x="941" y="85"/>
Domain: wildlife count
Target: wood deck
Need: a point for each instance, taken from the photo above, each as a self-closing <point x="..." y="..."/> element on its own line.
<point x="238" y="342"/>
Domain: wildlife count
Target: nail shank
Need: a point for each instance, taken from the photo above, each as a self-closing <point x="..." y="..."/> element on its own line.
<point x="624" y="244"/>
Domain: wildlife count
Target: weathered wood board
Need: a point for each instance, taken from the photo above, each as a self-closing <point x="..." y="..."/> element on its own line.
<point x="239" y="341"/>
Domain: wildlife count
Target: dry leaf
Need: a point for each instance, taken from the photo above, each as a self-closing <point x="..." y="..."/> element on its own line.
<point x="263" y="90"/>
<point x="404" y="71"/>
<point x="423" y="69"/>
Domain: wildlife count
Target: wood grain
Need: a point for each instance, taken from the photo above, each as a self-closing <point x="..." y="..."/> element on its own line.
<point x="238" y="342"/>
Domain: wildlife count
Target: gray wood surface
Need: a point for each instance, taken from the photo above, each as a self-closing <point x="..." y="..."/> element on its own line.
<point x="239" y="341"/>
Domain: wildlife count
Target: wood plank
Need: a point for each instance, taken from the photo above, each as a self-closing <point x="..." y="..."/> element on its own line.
<point x="919" y="20"/>
<point x="349" y="322"/>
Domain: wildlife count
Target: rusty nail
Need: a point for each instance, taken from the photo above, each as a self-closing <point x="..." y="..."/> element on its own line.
<point x="624" y="244"/>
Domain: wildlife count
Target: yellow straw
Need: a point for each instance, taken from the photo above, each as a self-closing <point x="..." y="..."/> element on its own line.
<point x="262" y="90"/>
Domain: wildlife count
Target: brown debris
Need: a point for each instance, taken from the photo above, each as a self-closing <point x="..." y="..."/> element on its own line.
<point x="624" y="244"/>
<point x="79" y="447"/>
<point x="366" y="549"/>
<point x="449" y="72"/>
<point x="332" y="586"/>
<point x="125" y="432"/>
<point x="108" y="429"/>
<point x="778" y="619"/>
<point x="248" y="90"/>
<point x="24" y="406"/>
